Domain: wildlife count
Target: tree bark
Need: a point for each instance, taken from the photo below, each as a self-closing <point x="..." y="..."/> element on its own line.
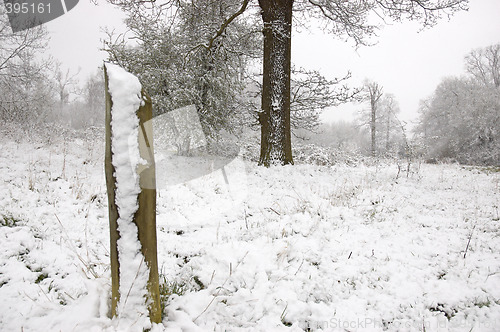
<point x="388" y="132"/>
<point x="374" y="93"/>
<point x="274" y="118"/>
<point x="373" y="128"/>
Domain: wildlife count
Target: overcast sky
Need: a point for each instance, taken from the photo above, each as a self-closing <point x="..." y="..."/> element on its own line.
<point x="406" y="62"/>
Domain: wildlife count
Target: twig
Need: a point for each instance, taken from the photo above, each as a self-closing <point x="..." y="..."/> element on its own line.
<point x="44" y="293"/>
<point x="85" y="263"/>
<point x="491" y="274"/>
<point x="299" y="267"/>
<point x="468" y="242"/>
<point x="220" y="288"/>
<point x="283" y="314"/>
<point x="246" y="219"/>
<point x="222" y="28"/>
<point x="274" y="211"/>
<point x="133" y="282"/>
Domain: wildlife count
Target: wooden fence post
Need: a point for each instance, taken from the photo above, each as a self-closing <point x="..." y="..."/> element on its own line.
<point x="145" y="216"/>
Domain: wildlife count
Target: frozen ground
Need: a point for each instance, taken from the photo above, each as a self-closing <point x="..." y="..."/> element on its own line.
<point x="282" y="249"/>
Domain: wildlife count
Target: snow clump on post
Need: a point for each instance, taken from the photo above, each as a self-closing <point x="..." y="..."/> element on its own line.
<point x="125" y="90"/>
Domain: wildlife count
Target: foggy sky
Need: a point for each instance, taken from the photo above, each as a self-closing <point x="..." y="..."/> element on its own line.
<point x="406" y="61"/>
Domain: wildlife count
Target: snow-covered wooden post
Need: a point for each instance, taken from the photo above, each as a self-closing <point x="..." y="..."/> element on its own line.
<point x="130" y="179"/>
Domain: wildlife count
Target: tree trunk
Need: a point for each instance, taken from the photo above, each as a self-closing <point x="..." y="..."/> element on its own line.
<point x="373" y="128"/>
<point x="375" y="93"/>
<point x="388" y="132"/>
<point x="274" y="118"/>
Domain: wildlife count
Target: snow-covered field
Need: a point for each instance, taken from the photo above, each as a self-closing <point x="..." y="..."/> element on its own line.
<point x="282" y="249"/>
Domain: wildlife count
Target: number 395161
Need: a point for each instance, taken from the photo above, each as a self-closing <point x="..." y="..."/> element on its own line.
<point x="25" y="8"/>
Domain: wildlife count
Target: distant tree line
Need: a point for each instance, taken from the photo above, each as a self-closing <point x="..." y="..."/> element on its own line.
<point x="22" y="83"/>
<point x="382" y="133"/>
<point x="36" y="90"/>
<point x="461" y="120"/>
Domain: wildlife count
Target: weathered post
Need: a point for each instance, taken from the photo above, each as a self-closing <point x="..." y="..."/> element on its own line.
<point x="146" y="213"/>
<point x="129" y="265"/>
<point x="113" y="210"/>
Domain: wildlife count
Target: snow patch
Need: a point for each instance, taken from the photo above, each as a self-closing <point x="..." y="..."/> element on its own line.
<point x="329" y="248"/>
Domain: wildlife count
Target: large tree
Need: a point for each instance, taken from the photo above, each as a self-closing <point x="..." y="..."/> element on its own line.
<point x="374" y="92"/>
<point x="341" y="18"/>
<point x="389" y="122"/>
<point x="274" y="117"/>
<point x="484" y="65"/>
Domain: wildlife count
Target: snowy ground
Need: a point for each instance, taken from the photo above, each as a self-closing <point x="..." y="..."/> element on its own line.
<point x="282" y="249"/>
